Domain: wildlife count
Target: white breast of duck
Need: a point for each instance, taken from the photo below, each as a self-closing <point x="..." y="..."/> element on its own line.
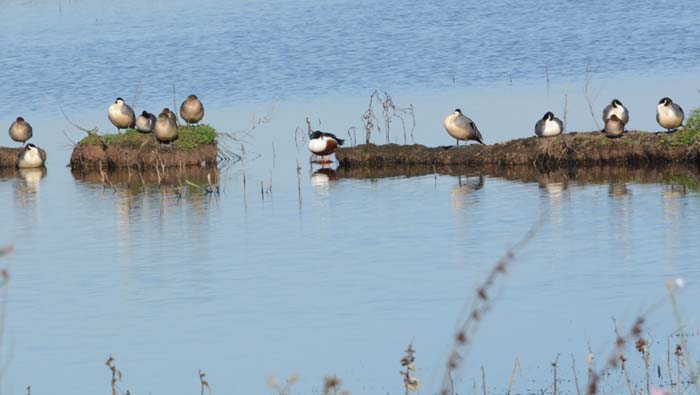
<point x="551" y="128"/>
<point x="323" y="143"/>
<point x="30" y="157"/>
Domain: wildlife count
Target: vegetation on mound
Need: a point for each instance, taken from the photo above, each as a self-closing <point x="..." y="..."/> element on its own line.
<point x="189" y="138"/>
<point x="686" y="137"/>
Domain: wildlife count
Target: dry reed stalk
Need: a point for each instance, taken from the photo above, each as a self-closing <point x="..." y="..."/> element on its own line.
<point x="483" y="380"/>
<point x="672" y="287"/>
<point x="573" y="369"/>
<point x="410" y="381"/>
<point x="282" y="389"/>
<point x="204" y="383"/>
<point x="511" y="380"/>
<point x="586" y="84"/>
<point x="554" y="368"/>
<point x="480" y="305"/>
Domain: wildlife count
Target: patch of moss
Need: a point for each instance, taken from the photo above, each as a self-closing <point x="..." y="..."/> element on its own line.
<point x="686" y="137"/>
<point x="92" y="139"/>
<point x="189" y="138"/>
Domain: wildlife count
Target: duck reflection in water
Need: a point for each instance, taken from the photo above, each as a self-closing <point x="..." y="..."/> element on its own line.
<point x="323" y="177"/>
<point x="618" y="191"/>
<point x="465" y="186"/>
<point x="27" y="185"/>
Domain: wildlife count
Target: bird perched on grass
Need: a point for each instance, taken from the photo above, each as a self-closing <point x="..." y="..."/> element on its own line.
<point x="324" y="144"/>
<point x="616" y="107"/>
<point x="669" y="114"/>
<point x="31" y="156"/>
<point x="192" y="110"/>
<point x="549" y="126"/>
<point x="20" y="131"/>
<point x="462" y="127"/>
<point x="165" y="128"/>
<point x="145" y="122"/>
<point x="614" y="127"/>
<point x="121" y="114"/>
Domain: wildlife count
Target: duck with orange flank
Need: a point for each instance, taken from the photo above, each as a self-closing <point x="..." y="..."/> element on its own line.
<point x="324" y="144"/>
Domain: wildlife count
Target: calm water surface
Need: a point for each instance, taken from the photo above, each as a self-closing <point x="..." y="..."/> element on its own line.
<point x="339" y="278"/>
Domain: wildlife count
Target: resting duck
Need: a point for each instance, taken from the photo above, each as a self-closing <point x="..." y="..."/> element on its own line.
<point x="549" y="126"/>
<point x="669" y="114"/>
<point x="323" y="144"/>
<point x="165" y="128"/>
<point x="462" y="127"/>
<point x="192" y="110"/>
<point x="616" y="107"/>
<point x="121" y="115"/>
<point x="20" y="130"/>
<point x="145" y="122"/>
<point x="31" y="156"/>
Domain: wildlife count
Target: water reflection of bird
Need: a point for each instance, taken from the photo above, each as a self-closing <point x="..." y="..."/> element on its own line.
<point x="553" y="187"/>
<point x="31" y="156"/>
<point x="192" y="110"/>
<point x="462" y="127"/>
<point x="323" y="177"/>
<point x="618" y="190"/>
<point x="20" y="130"/>
<point x="27" y="185"/>
<point x="669" y="114"/>
<point x="465" y="188"/>
<point x="121" y="115"/>
<point x="549" y="126"/>
<point x="324" y="144"/>
<point x="31" y="178"/>
<point x="616" y="108"/>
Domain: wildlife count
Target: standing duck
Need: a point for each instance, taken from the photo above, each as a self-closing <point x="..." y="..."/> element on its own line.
<point x="121" y="115"/>
<point x="614" y="127"/>
<point x="192" y="110"/>
<point x="20" y="130"/>
<point x="616" y="107"/>
<point x="669" y="114"/>
<point x="462" y="127"/>
<point x="145" y="122"/>
<point x="165" y="128"/>
<point x="31" y="156"/>
<point x="323" y="144"/>
<point x="549" y="126"/>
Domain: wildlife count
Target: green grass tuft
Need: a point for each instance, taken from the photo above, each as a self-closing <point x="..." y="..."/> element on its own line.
<point x="686" y="137"/>
<point x="189" y="138"/>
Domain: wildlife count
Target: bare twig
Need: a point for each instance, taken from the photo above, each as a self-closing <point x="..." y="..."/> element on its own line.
<point x="204" y="383"/>
<point x="481" y="304"/>
<point x="586" y="84"/>
<point x="511" y="380"/>
<point x="573" y="369"/>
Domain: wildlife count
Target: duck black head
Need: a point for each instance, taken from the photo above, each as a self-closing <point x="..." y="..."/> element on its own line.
<point x="548" y="116"/>
<point x="31" y="146"/>
<point x="192" y="97"/>
<point x="458" y="111"/>
<point x="144" y="113"/>
<point x="665" y="101"/>
<point x="616" y="103"/>
<point x="119" y="99"/>
<point x="316" y="134"/>
<point x="20" y="120"/>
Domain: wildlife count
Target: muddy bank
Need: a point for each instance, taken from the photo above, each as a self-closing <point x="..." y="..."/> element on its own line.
<point x="8" y="156"/>
<point x="571" y="149"/>
<point x="195" y="146"/>
<point x="687" y="176"/>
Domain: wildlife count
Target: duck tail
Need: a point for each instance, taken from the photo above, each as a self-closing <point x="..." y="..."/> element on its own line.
<point x="340" y="141"/>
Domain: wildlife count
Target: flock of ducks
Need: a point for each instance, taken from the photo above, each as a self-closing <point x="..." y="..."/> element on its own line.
<point x="164" y="127"/>
<point x="121" y="115"/>
<point x="615" y="115"/>
<point x="462" y="128"/>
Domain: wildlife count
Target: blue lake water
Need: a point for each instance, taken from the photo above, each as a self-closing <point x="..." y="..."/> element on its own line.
<point x="339" y="275"/>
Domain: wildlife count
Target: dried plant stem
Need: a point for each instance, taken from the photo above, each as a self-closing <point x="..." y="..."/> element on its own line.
<point x="554" y="368"/>
<point x="586" y="85"/>
<point x="573" y="369"/>
<point x="483" y="380"/>
<point x="481" y="304"/>
<point x="511" y="380"/>
<point x="204" y="383"/>
<point x="694" y="373"/>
